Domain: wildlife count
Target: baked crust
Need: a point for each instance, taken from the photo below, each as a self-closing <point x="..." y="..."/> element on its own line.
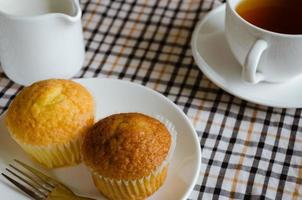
<point x="50" y="112"/>
<point x="126" y="146"/>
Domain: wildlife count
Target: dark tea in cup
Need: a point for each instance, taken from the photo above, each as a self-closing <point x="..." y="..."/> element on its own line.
<point x="281" y="16"/>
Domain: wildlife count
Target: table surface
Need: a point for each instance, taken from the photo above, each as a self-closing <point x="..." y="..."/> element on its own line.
<point x="248" y="151"/>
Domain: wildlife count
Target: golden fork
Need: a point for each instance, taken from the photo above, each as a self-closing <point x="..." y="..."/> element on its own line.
<point x="39" y="186"/>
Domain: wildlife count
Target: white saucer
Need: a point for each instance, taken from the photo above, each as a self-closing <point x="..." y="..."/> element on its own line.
<point x="114" y="96"/>
<point x="214" y="58"/>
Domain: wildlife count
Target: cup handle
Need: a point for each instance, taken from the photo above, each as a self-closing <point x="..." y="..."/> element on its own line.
<point x="249" y="72"/>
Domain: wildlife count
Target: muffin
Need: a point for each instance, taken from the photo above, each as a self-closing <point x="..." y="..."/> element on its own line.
<point x="127" y="155"/>
<point x="48" y="120"/>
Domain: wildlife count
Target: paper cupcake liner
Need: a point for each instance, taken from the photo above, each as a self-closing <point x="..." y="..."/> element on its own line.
<point x="57" y="155"/>
<point x="140" y="188"/>
<point x="130" y="189"/>
<point x="171" y="128"/>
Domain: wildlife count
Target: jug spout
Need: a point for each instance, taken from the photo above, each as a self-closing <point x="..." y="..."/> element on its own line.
<point x="69" y="10"/>
<point x="76" y="13"/>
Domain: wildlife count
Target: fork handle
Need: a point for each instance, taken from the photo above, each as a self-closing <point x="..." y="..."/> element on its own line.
<point x="84" y="198"/>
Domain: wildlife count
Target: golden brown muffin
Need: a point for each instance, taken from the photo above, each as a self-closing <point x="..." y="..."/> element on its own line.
<point x="48" y="120"/>
<point x="125" y="152"/>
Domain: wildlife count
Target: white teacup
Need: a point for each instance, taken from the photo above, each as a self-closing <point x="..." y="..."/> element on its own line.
<point x="40" y="39"/>
<point x="264" y="55"/>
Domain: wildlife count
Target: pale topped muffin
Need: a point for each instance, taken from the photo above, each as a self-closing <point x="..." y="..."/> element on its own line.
<point x="48" y="120"/>
<point x="125" y="153"/>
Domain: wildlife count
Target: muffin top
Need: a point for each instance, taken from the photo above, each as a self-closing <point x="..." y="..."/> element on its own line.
<point x="126" y="146"/>
<point x="50" y="112"/>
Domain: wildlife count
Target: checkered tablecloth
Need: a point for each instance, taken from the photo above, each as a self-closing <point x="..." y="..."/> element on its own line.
<point x="248" y="151"/>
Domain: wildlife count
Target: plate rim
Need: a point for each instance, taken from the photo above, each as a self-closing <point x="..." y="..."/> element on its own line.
<point x="184" y="116"/>
<point x="193" y="133"/>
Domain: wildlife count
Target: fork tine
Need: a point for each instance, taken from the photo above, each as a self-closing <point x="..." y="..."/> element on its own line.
<point x="27" y="182"/>
<point x="31" y="178"/>
<point x="46" y="180"/>
<point x="23" y="188"/>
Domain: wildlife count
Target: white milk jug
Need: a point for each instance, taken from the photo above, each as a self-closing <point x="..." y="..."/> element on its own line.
<point x="40" y="39"/>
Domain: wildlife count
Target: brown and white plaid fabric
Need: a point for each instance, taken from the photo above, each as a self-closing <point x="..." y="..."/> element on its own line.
<point x="248" y="151"/>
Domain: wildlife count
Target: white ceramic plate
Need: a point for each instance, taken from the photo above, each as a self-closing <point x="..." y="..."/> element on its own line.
<point x="113" y="96"/>
<point x="213" y="56"/>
